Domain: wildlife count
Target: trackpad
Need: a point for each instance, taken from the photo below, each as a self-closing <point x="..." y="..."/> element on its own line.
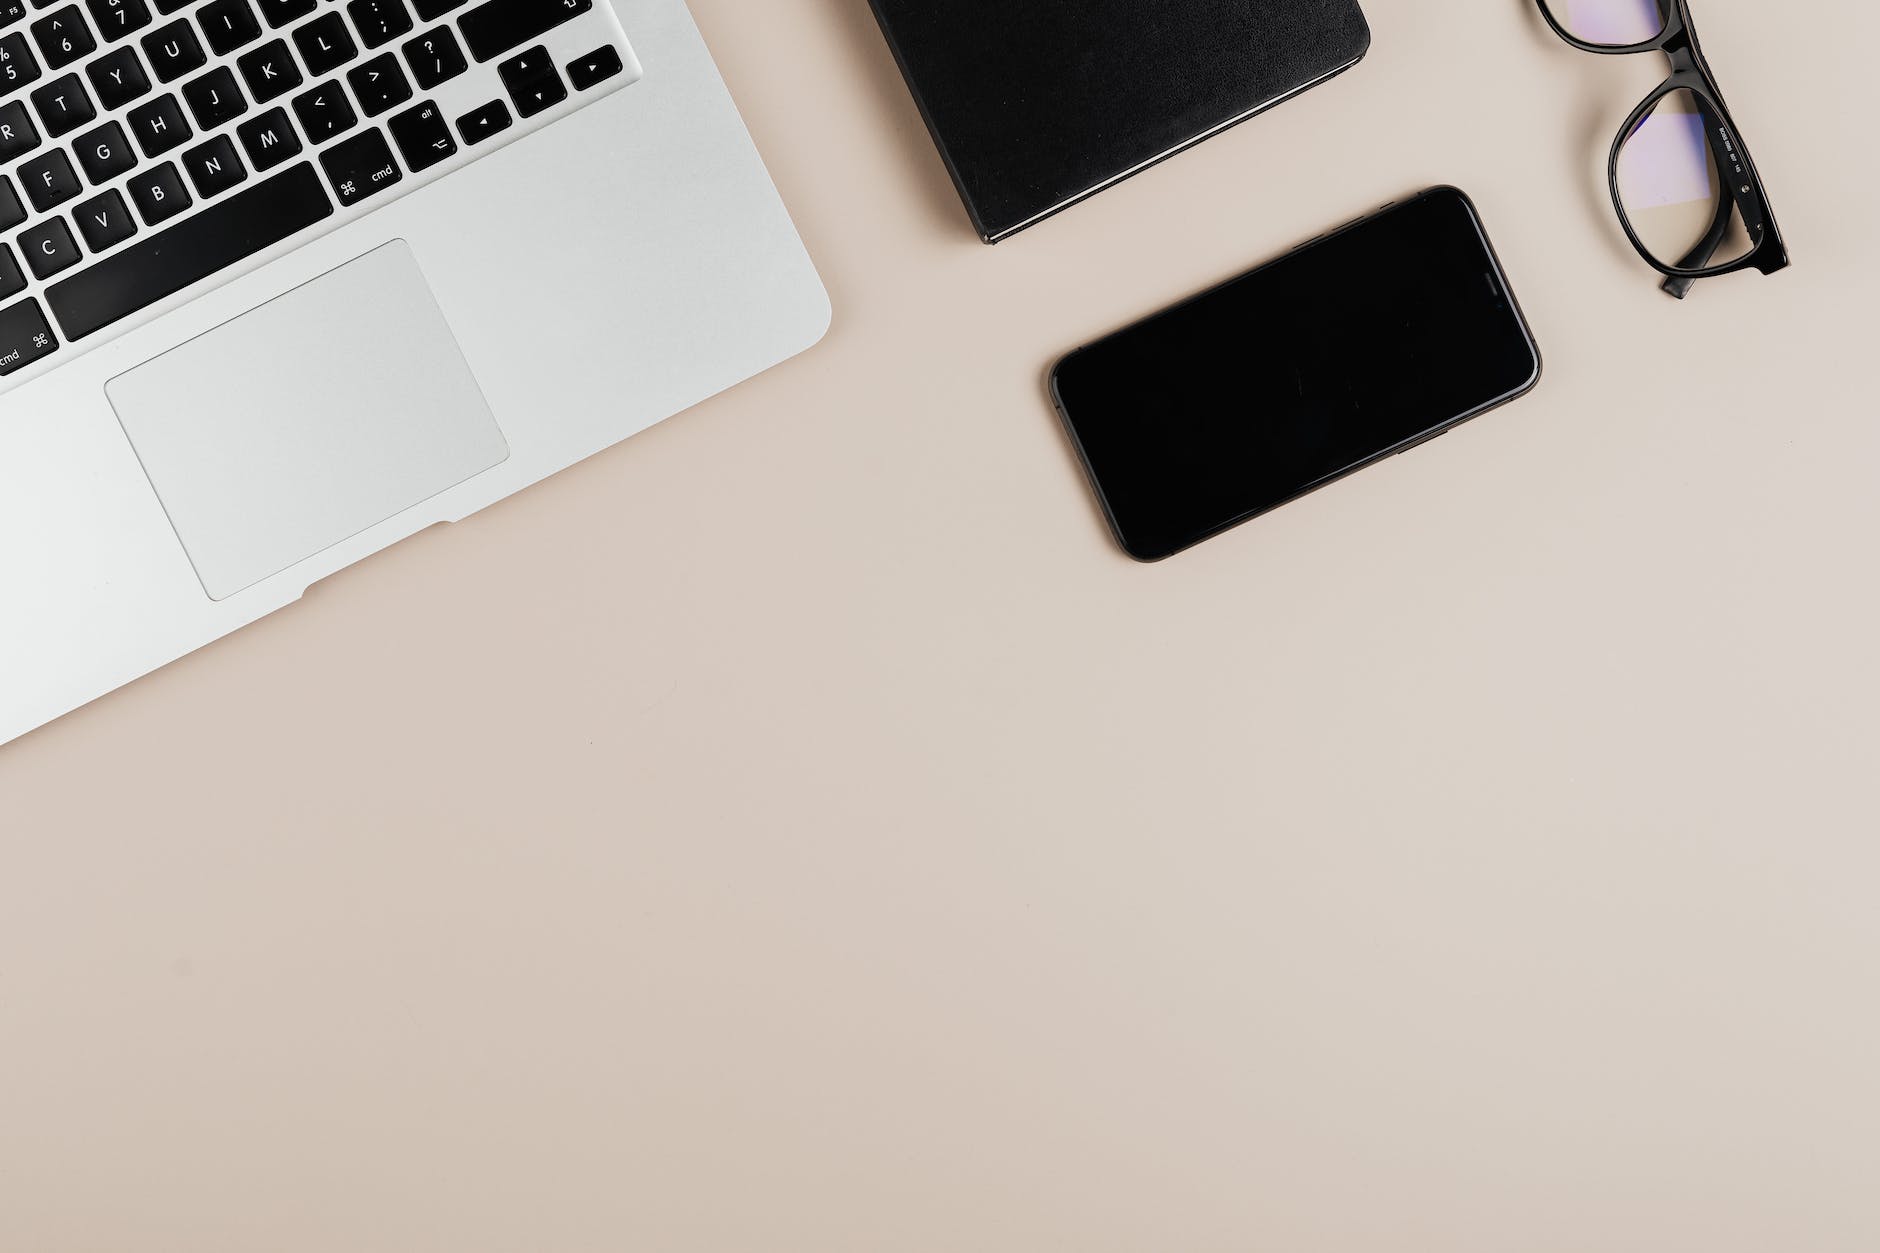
<point x="308" y="420"/>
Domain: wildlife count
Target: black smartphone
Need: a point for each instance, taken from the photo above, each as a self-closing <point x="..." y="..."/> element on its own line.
<point x="1351" y="348"/>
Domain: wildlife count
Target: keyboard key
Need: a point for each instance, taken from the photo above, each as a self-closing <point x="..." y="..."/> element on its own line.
<point x="118" y="77"/>
<point x="532" y="82"/>
<point x="18" y="135"/>
<point x="596" y="67"/>
<point x="49" y="248"/>
<point x="12" y="278"/>
<point x="270" y="71"/>
<point x="173" y="51"/>
<point x="119" y="19"/>
<point x="63" y="105"/>
<point x="269" y="139"/>
<point x="18" y="65"/>
<point x="167" y="7"/>
<point x="325" y="113"/>
<point x="11" y="11"/>
<point x="494" y="28"/>
<point x="280" y="12"/>
<point x="361" y="167"/>
<point x="159" y="126"/>
<point x="228" y="25"/>
<point x="49" y="180"/>
<point x="381" y="21"/>
<point x="104" y="221"/>
<point x="165" y="263"/>
<point x="431" y="10"/>
<point x="214" y="98"/>
<point x="325" y="44"/>
<point x="214" y="167"/>
<point x="480" y="124"/>
<point x="12" y="211"/>
<point x="63" y="37"/>
<point x="379" y="84"/>
<point x="159" y="194"/>
<point x="105" y="153"/>
<point x="24" y="336"/>
<point x="423" y="138"/>
<point x="435" y="57"/>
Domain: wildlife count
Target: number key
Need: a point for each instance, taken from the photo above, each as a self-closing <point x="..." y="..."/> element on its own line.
<point x="63" y="37"/>
<point x="18" y="66"/>
<point x="118" y="18"/>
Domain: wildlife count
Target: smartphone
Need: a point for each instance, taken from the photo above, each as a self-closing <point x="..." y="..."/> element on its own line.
<point x="1352" y="348"/>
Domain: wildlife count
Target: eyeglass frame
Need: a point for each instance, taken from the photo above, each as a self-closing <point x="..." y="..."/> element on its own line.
<point x="1691" y="72"/>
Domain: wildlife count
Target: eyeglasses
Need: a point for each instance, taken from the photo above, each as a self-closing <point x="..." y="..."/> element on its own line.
<point x="1682" y="181"/>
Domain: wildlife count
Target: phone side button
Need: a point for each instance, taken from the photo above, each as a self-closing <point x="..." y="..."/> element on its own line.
<point x="1422" y="440"/>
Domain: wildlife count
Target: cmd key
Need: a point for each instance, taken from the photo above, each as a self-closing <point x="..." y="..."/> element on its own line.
<point x="24" y="336"/>
<point x="494" y="28"/>
<point x="361" y="167"/>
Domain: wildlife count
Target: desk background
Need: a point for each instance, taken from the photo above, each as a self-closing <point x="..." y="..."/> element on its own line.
<point x="800" y="830"/>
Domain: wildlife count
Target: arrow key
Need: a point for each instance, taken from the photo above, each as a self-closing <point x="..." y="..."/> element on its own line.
<point x="480" y="124"/>
<point x="596" y="67"/>
<point x="532" y="82"/>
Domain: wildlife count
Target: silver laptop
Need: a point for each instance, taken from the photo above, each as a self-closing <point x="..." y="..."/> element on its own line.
<point x="285" y="281"/>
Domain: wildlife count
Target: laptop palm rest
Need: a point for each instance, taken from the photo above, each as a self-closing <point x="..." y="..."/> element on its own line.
<point x="308" y="420"/>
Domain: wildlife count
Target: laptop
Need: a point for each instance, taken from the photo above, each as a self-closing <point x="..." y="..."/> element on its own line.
<point x="283" y="282"/>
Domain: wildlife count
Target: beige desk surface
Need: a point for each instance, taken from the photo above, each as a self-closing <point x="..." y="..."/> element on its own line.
<point x="799" y="830"/>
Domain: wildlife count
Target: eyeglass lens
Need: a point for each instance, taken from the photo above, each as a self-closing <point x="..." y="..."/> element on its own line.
<point x="1611" y="23"/>
<point x="1672" y="190"/>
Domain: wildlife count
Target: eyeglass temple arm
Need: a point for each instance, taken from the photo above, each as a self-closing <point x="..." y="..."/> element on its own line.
<point x="1699" y="257"/>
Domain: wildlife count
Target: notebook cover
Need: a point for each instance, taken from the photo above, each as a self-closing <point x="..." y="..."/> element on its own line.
<point x="1036" y="104"/>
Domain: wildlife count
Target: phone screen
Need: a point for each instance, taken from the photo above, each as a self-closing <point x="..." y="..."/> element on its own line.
<point x="1330" y="358"/>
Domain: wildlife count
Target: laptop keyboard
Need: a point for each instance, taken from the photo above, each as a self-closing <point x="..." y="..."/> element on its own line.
<point x="149" y="146"/>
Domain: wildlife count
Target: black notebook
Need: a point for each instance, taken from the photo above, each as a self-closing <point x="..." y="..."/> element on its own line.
<point x="1037" y="104"/>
